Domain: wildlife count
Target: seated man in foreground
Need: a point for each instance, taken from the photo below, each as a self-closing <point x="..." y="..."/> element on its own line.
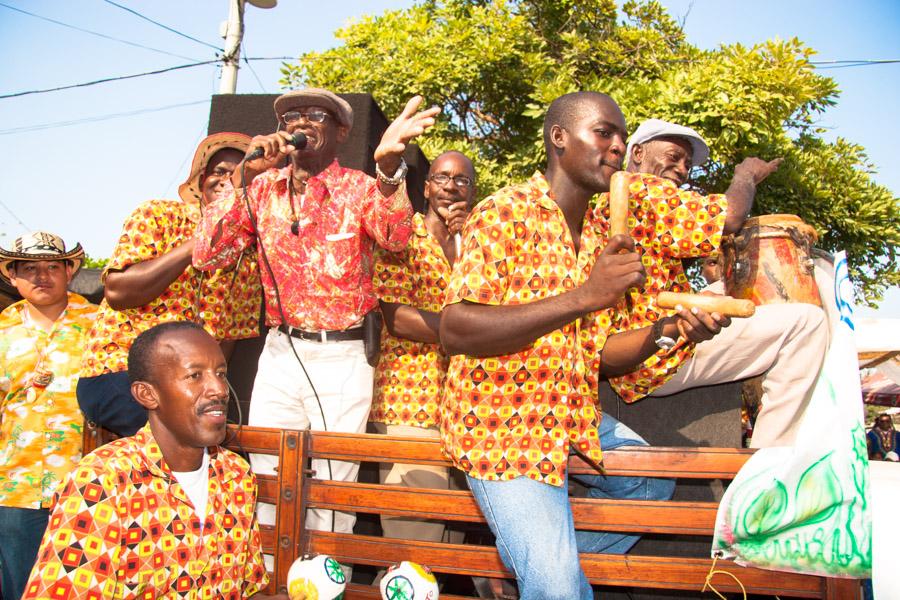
<point x="166" y="512"/>
<point x="784" y="342"/>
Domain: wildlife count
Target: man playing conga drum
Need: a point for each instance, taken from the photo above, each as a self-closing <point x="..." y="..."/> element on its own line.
<point x="784" y="342"/>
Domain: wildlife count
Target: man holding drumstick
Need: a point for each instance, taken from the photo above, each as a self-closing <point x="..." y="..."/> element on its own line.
<point x="785" y="342"/>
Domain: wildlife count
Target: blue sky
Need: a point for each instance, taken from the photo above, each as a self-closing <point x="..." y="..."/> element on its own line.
<point x="82" y="180"/>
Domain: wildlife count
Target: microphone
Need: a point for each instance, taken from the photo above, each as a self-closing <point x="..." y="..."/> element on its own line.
<point x="298" y="141"/>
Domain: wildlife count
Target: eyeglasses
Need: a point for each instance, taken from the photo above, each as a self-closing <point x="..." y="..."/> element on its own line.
<point x="313" y="116"/>
<point x="461" y="181"/>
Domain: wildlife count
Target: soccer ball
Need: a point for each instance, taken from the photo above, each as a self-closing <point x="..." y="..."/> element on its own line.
<point x="316" y="578"/>
<point x="409" y="581"/>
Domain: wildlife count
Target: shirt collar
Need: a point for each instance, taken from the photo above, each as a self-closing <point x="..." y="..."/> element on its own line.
<point x="418" y="222"/>
<point x="328" y="178"/>
<point x="542" y="186"/>
<point x="156" y="464"/>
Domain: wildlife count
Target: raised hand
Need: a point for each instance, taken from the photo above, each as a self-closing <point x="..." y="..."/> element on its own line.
<point x="401" y="131"/>
<point x="275" y="147"/>
<point x="756" y="168"/>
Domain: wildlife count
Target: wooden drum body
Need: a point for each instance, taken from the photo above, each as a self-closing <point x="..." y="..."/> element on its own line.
<point x="769" y="261"/>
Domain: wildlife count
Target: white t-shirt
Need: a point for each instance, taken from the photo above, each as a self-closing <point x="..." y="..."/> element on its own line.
<point x="196" y="485"/>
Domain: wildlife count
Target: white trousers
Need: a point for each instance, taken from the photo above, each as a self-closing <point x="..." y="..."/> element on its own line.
<point x="283" y="398"/>
<point x="786" y="343"/>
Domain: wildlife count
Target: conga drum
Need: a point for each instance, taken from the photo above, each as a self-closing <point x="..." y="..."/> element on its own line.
<point x="769" y="261"/>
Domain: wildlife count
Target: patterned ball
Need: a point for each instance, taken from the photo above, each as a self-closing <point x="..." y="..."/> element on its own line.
<point x="317" y="578"/>
<point x="409" y="581"/>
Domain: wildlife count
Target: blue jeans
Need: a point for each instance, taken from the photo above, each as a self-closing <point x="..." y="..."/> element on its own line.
<point x="21" y="530"/>
<point x="532" y="522"/>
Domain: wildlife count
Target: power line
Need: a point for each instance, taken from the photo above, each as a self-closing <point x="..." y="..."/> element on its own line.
<point x="166" y="27"/>
<point x="96" y="119"/>
<point x="97" y="33"/>
<point x="844" y="64"/>
<point x="249" y="66"/>
<point x="107" y="79"/>
<point x="15" y="216"/>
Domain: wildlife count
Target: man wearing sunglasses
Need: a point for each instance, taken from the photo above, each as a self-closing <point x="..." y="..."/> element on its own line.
<point x="316" y="224"/>
<point x="409" y="377"/>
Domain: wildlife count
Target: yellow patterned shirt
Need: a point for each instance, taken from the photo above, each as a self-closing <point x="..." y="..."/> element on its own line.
<point x="226" y="302"/>
<point x="517" y="415"/>
<point x="410" y="375"/>
<point x="40" y="426"/>
<point x="123" y="527"/>
<point x="668" y="224"/>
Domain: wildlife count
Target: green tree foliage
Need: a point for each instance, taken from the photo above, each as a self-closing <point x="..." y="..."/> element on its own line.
<point x="494" y="66"/>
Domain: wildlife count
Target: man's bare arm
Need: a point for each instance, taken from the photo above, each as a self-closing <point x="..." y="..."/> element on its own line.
<point x="487" y="330"/>
<point x="747" y="175"/>
<point x="410" y="323"/>
<point x="143" y="282"/>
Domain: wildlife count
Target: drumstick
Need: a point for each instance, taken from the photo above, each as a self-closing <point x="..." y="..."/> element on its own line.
<point x="618" y="203"/>
<point x="724" y="305"/>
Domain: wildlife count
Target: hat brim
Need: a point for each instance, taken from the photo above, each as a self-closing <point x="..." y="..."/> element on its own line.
<point x="76" y="255"/>
<point x="190" y="190"/>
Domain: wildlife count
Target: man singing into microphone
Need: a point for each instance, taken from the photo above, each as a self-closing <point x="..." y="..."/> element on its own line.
<point x="316" y="223"/>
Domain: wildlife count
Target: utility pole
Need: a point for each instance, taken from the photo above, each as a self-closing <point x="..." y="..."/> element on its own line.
<point x="233" y="32"/>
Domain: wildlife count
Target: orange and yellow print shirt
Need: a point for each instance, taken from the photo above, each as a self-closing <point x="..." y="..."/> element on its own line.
<point x="517" y="415"/>
<point x="225" y="302"/>
<point x="409" y="377"/>
<point x="40" y="427"/>
<point x="668" y="224"/>
<point x="324" y="270"/>
<point x="123" y="527"/>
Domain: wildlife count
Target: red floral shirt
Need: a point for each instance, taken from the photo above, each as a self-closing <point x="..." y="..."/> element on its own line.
<point x="324" y="272"/>
<point x="504" y="417"/>
<point x="410" y="375"/>
<point x="668" y="224"/>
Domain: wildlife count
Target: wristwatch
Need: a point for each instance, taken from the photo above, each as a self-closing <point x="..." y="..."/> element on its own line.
<point x="398" y="177"/>
<point x="661" y="341"/>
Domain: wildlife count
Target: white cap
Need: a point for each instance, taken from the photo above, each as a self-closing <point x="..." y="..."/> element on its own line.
<point x="892" y="456"/>
<point x="655" y="128"/>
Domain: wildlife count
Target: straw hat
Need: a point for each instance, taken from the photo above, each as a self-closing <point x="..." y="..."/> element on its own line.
<point x="190" y="190"/>
<point x="39" y="245"/>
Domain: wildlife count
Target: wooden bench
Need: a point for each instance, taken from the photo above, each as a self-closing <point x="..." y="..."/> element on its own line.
<point x="289" y="539"/>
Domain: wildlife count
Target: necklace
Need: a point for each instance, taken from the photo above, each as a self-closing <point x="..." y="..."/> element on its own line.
<point x="887" y="439"/>
<point x="295" y="222"/>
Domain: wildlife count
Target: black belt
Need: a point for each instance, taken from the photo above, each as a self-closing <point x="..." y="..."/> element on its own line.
<point x="323" y="336"/>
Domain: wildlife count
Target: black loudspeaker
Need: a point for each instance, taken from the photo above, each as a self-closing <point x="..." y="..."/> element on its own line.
<point x="253" y="114"/>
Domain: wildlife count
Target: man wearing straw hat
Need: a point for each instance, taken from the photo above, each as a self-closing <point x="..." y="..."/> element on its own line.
<point x="149" y="280"/>
<point x="41" y="338"/>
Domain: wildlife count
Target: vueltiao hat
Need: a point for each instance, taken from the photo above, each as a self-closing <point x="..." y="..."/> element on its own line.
<point x="39" y="245"/>
<point x="190" y="191"/>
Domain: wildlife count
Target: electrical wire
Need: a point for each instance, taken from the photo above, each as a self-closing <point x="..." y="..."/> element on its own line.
<point x="249" y="66"/>
<point x="130" y="113"/>
<point x="96" y="33"/>
<point x="108" y="79"/>
<point x="166" y="27"/>
<point x="146" y="73"/>
<point x="15" y="216"/>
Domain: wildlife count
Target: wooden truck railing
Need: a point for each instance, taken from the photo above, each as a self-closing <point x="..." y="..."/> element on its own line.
<point x="294" y="489"/>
